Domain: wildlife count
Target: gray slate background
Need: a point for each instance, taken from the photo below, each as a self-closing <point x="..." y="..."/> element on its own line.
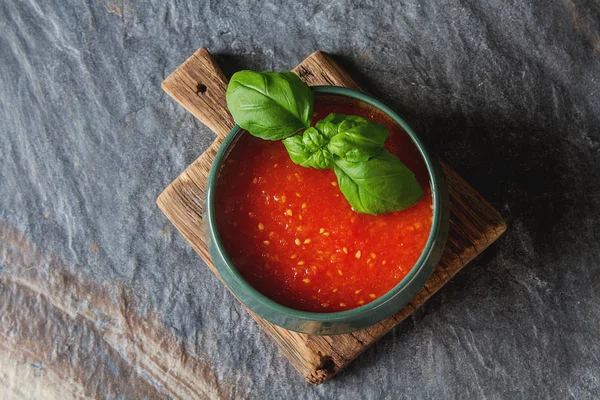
<point x="507" y="91"/>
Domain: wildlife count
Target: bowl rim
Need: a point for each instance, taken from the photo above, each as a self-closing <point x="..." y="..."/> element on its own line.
<point x="339" y="316"/>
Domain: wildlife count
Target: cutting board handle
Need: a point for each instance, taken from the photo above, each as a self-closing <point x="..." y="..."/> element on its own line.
<point x="199" y="85"/>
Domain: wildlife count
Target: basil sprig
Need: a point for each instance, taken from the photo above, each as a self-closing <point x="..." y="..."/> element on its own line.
<point x="276" y="106"/>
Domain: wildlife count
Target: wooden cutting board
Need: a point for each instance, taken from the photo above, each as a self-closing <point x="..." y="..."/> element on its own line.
<point x="199" y="85"/>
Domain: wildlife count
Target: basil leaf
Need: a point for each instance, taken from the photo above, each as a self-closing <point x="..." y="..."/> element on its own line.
<point x="270" y="105"/>
<point x="379" y="185"/>
<point x="320" y="159"/>
<point x="313" y="139"/>
<point x="329" y="125"/>
<point x="309" y="149"/>
<point x="353" y="138"/>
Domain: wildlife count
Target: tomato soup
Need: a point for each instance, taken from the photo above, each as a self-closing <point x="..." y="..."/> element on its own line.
<point x="293" y="236"/>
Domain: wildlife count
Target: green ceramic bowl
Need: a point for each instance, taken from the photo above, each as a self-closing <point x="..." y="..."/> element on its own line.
<point x="344" y="321"/>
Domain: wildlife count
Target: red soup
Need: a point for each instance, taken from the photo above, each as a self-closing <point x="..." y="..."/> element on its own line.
<point x="293" y="236"/>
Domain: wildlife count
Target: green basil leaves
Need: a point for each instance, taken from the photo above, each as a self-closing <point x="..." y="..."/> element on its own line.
<point x="276" y="106"/>
<point x="372" y="180"/>
<point x="379" y="185"/>
<point x="356" y="139"/>
<point x="270" y="105"/>
<point x="309" y="149"/>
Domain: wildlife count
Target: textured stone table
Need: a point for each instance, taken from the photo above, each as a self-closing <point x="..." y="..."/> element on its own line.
<point x="100" y="297"/>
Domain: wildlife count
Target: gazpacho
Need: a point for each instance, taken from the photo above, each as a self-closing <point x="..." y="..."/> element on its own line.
<point x="293" y="235"/>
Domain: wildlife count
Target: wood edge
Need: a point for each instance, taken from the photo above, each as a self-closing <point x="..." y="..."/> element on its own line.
<point x="199" y="86"/>
<point x="202" y="51"/>
<point x="161" y="202"/>
<point x="315" y="54"/>
<point x="170" y="191"/>
<point x="336" y="76"/>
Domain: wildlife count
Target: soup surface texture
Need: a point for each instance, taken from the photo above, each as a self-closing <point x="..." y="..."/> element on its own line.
<point x="293" y="236"/>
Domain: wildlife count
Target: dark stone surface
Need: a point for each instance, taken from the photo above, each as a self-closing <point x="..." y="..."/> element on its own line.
<point x="507" y="91"/>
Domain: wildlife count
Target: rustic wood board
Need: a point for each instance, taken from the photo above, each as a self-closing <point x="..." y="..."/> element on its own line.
<point x="199" y="85"/>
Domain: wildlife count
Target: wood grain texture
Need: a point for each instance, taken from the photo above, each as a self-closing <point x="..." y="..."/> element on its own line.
<point x="474" y="223"/>
<point x="199" y="85"/>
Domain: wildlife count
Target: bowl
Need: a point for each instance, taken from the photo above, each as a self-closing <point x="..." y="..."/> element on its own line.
<point x="344" y="321"/>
